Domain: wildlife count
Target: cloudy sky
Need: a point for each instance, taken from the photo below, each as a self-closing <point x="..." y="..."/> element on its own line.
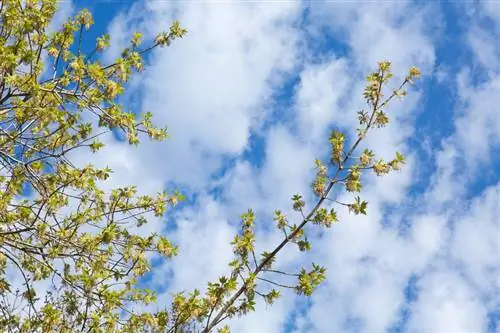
<point x="250" y="96"/>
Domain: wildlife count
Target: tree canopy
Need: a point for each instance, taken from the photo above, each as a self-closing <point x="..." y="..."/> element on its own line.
<point x="79" y="250"/>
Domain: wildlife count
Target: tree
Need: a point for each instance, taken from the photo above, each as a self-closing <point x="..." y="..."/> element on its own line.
<point x="59" y="227"/>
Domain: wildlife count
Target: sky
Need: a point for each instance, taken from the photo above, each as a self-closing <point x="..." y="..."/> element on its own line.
<point x="250" y="95"/>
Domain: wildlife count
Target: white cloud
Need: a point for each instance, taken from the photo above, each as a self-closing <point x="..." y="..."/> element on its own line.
<point x="381" y="31"/>
<point x="447" y="304"/>
<point x="204" y="235"/>
<point x="483" y="44"/>
<point x="211" y="87"/>
<point x="289" y="162"/>
<point x="477" y="124"/>
<point x="492" y="9"/>
<point x="321" y="88"/>
<point x="429" y="236"/>
<point x="447" y="182"/>
<point x="476" y="246"/>
<point x="64" y="10"/>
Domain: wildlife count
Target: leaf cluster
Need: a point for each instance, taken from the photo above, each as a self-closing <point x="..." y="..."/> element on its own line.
<point x="58" y="227"/>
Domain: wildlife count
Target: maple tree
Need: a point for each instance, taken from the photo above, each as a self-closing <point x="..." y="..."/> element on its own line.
<point x="59" y="227"/>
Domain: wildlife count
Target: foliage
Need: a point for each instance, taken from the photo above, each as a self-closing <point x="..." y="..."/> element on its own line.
<point x="56" y="100"/>
<point x="83" y="242"/>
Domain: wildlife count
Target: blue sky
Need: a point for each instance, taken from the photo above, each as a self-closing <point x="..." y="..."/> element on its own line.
<point x="250" y="95"/>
